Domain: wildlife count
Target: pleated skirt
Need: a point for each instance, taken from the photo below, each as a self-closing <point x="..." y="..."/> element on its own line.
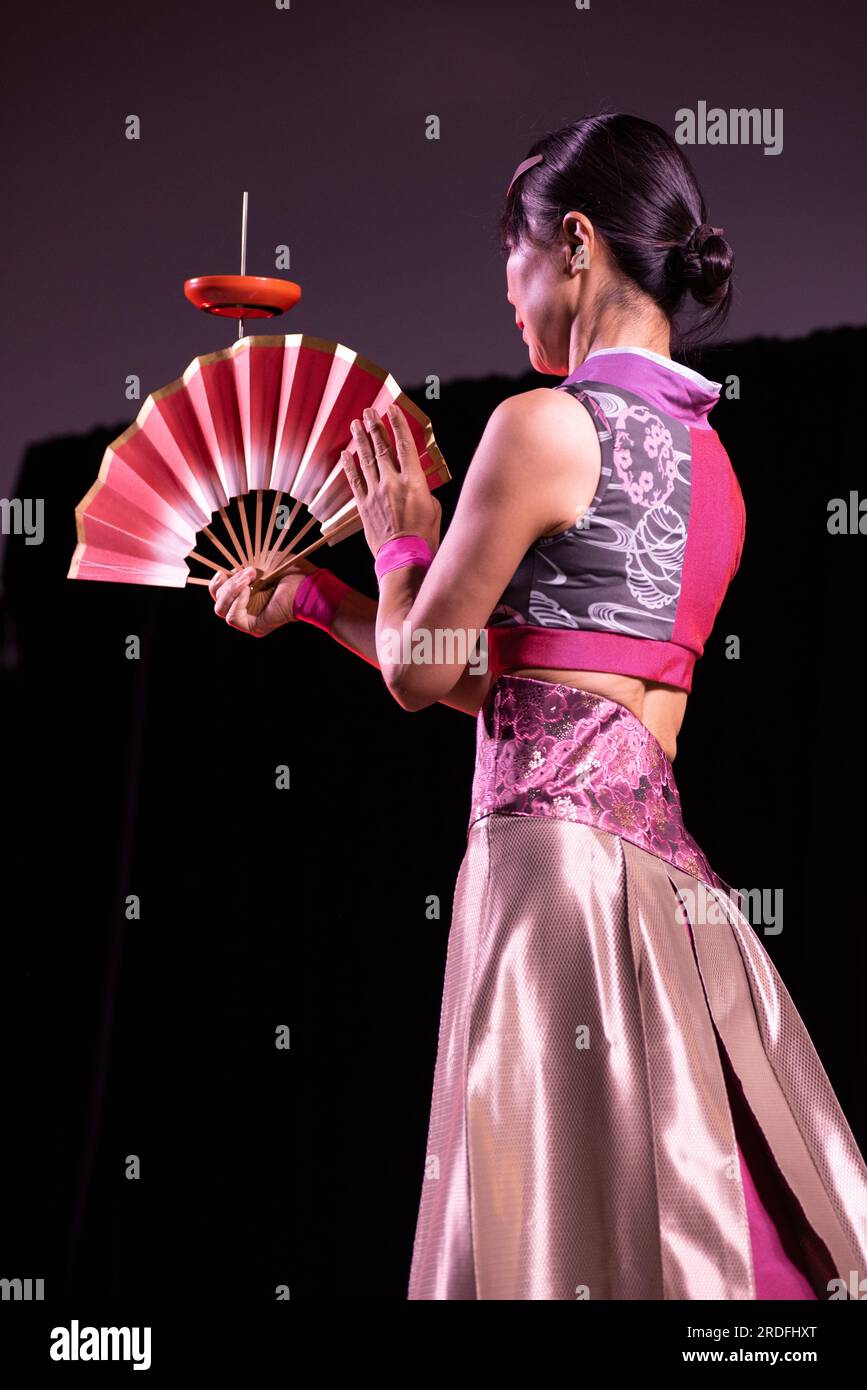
<point x="626" y="1103"/>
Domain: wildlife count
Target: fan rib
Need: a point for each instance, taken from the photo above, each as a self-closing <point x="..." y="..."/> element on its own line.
<point x="231" y="530"/>
<point x="206" y="531"/>
<point x="248" y="553"/>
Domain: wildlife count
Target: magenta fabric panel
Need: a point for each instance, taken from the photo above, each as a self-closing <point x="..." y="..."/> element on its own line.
<point x="717" y="523"/>
<point x="565" y="649"/>
<point x="776" y="1275"/>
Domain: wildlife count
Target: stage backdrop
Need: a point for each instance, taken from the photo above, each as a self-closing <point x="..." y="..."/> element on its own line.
<point x="154" y="1036"/>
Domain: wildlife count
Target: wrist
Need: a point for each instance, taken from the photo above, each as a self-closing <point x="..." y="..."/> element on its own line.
<point x="318" y="598"/>
<point x="401" y="552"/>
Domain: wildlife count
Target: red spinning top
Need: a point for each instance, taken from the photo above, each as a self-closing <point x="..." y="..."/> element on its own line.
<point x="242" y="296"/>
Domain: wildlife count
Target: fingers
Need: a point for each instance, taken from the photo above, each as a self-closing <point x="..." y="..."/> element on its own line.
<point x="232" y="596"/>
<point x="353" y="475"/>
<point x="238" y="616"/>
<point x="375" y="452"/>
<point x="382" y="449"/>
<point x="408" y="461"/>
<point x="217" y="581"/>
<point x="407" y="454"/>
<point x="366" y="456"/>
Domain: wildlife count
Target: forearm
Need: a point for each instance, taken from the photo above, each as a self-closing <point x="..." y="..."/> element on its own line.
<point x="353" y="625"/>
<point x="351" y="619"/>
<point x="420" y="666"/>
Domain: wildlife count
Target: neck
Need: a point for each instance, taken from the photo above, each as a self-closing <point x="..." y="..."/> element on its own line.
<point x="610" y="327"/>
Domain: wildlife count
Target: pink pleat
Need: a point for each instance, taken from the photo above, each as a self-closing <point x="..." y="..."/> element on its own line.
<point x="776" y="1275"/>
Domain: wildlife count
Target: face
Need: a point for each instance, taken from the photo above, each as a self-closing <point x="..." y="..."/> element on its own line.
<point x="545" y="302"/>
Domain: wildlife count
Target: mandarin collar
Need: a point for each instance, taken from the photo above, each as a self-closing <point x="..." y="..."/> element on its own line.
<point x="678" y="390"/>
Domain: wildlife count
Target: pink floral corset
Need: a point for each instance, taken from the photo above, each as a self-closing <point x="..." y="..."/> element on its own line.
<point x="544" y="749"/>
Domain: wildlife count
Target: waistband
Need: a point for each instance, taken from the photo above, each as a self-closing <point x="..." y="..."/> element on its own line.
<point x="545" y="749"/>
<point x="578" y="650"/>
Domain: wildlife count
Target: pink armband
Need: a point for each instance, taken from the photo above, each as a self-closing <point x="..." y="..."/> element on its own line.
<point x="318" y="597"/>
<point x="402" y="551"/>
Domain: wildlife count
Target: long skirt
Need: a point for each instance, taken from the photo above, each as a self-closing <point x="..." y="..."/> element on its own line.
<point x="626" y="1102"/>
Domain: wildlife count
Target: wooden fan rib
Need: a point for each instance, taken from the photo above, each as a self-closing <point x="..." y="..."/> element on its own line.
<point x="275" y="506"/>
<point x="280" y="548"/>
<point x="275" y="575"/>
<point x="242" y="559"/>
<point x="276" y="547"/>
<point x="248" y="553"/>
<point x="203" y="560"/>
<point x="215" y="540"/>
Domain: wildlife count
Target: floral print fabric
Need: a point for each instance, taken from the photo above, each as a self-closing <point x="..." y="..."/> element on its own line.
<point x="544" y="749"/>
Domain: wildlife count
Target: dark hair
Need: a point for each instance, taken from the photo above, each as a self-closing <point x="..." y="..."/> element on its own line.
<point x="640" y="192"/>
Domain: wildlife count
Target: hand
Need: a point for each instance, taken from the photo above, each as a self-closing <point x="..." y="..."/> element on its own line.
<point x="233" y="601"/>
<point x="392" y="494"/>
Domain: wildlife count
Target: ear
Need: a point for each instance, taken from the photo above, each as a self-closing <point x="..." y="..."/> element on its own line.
<point x="578" y="234"/>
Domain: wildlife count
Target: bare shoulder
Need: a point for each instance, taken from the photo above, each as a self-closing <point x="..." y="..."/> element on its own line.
<point x="548" y="416"/>
<point x="547" y="426"/>
<point x="539" y="456"/>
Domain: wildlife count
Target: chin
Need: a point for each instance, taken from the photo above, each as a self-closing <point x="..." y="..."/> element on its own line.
<point x="539" y="364"/>
<point x="542" y="367"/>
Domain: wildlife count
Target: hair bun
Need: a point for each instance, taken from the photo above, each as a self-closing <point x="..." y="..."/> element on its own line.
<point x="706" y="264"/>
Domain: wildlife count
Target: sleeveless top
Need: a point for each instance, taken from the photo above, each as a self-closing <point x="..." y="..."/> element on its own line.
<point x="634" y="586"/>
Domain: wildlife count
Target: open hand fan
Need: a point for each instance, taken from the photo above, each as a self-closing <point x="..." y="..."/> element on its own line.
<point x="269" y="415"/>
<point x="266" y="418"/>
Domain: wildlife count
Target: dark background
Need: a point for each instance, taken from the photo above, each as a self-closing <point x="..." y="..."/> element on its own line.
<point x="307" y="907"/>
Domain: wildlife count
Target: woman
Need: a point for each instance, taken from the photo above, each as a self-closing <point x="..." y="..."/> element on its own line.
<point x="626" y="1104"/>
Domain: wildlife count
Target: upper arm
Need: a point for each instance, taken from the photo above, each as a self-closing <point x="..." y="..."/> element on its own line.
<point x="535" y="470"/>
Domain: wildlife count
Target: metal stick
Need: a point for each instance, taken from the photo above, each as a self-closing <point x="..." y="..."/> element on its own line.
<point x="243" y="252"/>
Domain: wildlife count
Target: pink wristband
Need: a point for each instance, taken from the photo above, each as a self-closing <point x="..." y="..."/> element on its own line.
<point x="318" y="597"/>
<point x="402" y="551"/>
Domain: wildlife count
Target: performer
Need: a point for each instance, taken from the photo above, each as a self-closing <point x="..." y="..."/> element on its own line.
<point x="626" y="1103"/>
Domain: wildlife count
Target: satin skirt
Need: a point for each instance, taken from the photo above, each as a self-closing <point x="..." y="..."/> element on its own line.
<point x="626" y="1103"/>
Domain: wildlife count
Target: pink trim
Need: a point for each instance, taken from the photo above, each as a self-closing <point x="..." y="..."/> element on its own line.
<point x="565" y="649"/>
<point x="714" y="541"/>
<point x="318" y="597"/>
<point x="402" y="551"/>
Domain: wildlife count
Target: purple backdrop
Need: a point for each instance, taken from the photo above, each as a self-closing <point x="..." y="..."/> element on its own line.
<point x="320" y="112"/>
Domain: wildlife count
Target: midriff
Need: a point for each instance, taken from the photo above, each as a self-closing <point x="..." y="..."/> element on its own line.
<point x="659" y="707"/>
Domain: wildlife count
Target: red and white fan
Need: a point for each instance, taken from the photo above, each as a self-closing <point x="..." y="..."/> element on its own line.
<point x="265" y="419"/>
